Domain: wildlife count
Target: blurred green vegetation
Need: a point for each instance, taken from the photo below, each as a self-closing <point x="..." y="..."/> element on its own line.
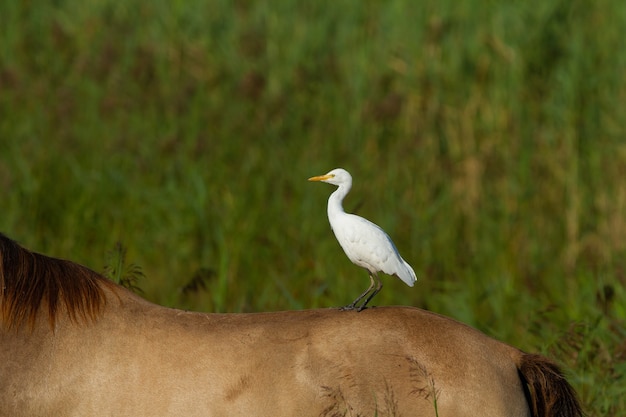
<point x="488" y="139"/>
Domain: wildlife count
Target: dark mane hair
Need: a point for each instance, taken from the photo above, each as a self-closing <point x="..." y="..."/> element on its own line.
<point x="30" y="282"/>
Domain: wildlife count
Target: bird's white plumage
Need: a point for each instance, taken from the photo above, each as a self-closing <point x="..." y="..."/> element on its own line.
<point x="368" y="246"/>
<point x="365" y="244"/>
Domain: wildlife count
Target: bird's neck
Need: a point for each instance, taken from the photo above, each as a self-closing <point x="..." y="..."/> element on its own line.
<point x="335" y="200"/>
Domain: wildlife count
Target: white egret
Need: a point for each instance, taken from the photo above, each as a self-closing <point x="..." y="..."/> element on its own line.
<point x="365" y="244"/>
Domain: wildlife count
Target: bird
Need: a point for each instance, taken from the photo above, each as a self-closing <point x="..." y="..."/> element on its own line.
<point x="365" y="243"/>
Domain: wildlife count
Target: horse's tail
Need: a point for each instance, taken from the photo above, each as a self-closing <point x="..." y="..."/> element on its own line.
<point x="547" y="391"/>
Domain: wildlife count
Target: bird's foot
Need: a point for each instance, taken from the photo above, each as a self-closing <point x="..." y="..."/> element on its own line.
<point x="351" y="307"/>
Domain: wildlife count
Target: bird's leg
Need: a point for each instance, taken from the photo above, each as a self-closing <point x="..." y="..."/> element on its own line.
<point x="360" y="297"/>
<point x="379" y="285"/>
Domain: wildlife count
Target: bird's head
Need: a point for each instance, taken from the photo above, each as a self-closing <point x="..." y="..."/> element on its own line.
<point x="337" y="176"/>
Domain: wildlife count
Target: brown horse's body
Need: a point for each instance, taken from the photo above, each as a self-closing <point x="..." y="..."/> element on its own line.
<point x="74" y="344"/>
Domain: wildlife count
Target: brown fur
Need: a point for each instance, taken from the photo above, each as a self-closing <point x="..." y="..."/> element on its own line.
<point x="29" y="281"/>
<point x="74" y="344"/>
<point x="548" y="392"/>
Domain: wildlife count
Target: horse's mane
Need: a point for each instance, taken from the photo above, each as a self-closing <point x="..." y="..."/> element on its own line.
<point x="30" y="282"/>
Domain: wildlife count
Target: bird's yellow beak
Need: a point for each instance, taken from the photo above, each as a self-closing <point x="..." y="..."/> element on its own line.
<point x="321" y="177"/>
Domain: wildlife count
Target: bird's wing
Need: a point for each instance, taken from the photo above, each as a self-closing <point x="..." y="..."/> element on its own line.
<point x="368" y="246"/>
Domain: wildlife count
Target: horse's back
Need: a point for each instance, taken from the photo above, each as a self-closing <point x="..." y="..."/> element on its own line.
<point x="144" y="360"/>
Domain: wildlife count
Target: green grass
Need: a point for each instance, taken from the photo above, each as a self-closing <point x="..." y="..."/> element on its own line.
<point x="487" y="139"/>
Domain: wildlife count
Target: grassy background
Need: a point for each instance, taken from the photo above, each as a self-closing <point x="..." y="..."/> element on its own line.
<point x="488" y="139"/>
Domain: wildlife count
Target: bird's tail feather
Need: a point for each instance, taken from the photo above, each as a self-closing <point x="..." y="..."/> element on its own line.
<point x="408" y="275"/>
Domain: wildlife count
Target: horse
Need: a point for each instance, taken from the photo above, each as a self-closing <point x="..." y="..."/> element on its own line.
<point x="73" y="343"/>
